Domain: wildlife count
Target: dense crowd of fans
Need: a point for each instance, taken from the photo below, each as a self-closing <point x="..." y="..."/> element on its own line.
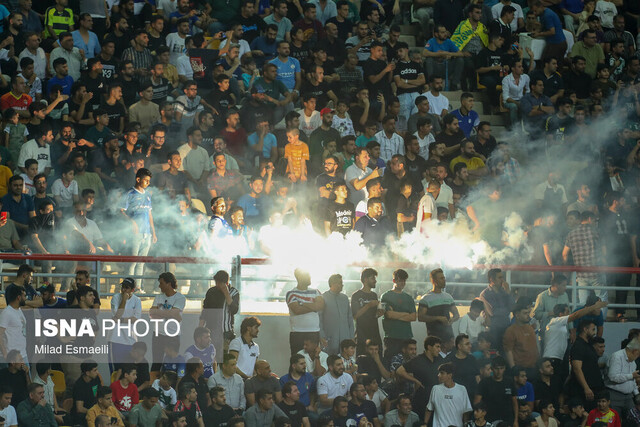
<point x="316" y="114"/>
<point x="507" y="362"/>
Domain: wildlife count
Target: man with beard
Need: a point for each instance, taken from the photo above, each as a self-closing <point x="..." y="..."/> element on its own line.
<point x="138" y="53"/>
<point x="264" y="48"/>
<point x="438" y="310"/>
<point x="156" y="155"/>
<point x="399" y="312"/>
<point x="42" y="229"/>
<point x="83" y="235"/>
<point x="86" y="179"/>
<point x="19" y="205"/>
<point x="320" y="137"/>
<point x="374" y="227"/>
<point x="364" y="306"/>
<point x="334" y="383"/>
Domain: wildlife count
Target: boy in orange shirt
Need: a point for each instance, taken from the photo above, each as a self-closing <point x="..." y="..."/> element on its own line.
<point x="297" y="154"/>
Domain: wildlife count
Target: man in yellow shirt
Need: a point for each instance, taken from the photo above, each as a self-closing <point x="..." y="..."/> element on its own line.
<point x="103" y="407"/>
<point x="475" y="166"/>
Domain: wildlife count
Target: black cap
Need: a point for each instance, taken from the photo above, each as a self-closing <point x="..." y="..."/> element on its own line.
<point x="47" y="288"/>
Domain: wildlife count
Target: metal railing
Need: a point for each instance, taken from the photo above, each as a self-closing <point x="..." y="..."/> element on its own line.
<point x="237" y="268"/>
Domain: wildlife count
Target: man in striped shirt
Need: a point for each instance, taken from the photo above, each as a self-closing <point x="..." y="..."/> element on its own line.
<point x="304" y="305"/>
<point x="220" y="305"/>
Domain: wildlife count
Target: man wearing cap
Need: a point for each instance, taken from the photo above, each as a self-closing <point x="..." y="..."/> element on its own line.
<point x="125" y="307"/>
<point x="139" y="54"/>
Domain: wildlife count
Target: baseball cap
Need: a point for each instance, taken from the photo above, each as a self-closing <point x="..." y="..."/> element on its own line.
<point x="257" y="89"/>
<point x="325" y="111"/>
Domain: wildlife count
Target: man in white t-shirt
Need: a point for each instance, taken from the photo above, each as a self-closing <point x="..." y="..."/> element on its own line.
<point x="82" y="234"/>
<point x="518" y="17"/>
<point x="333" y="384"/>
<point x="556" y="334"/>
<point x="449" y="402"/>
<point x="244" y="348"/>
<point x="314" y="357"/>
<point x="13" y="324"/>
<point x="125" y="306"/>
<point x="176" y="41"/>
<point x="7" y="411"/>
<point x="37" y="148"/>
<point x="168" y="307"/>
<point x="438" y="103"/>
<point x="427" y="206"/>
<point x="304" y="305"/>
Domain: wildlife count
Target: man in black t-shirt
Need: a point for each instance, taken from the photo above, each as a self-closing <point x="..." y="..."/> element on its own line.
<point x="497" y="393"/>
<point x="340" y="213"/>
<point x="219" y="413"/>
<point x="85" y="390"/>
<point x="15" y="375"/>
<point x="410" y="79"/>
<point x="290" y="405"/>
<point x="422" y="371"/>
<point x="489" y="64"/>
<point x="252" y="24"/>
<point x="364" y="306"/>
<point x="586" y="379"/>
<point x="317" y="87"/>
<point x="377" y="73"/>
<point x="360" y="407"/>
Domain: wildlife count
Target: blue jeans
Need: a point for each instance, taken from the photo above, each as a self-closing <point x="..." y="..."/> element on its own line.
<point x="407" y="108"/>
<point x="140" y="245"/>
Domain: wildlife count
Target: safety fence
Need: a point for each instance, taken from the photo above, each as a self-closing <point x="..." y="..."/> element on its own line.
<point x="261" y="282"/>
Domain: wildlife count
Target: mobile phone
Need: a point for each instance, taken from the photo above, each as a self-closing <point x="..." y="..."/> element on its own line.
<point x="3" y="216"/>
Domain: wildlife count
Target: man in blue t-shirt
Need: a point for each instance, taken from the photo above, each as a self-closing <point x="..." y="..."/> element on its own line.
<point x="551" y="31"/>
<point x="61" y="78"/>
<point x="136" y="207"/>
<point x="442" y="56"/>
<point x="288" y="68"/>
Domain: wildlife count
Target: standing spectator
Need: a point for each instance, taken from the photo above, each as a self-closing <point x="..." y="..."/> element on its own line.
<point x="364" y="306"/>
<point x="441" y="54"/>
<point x="438" y="310"/>
<point x="336" y="319"/>
<point x="498" y="302"/>
<point x="520" y="341"/>
<point x="13" y="323"/>
<point x="591" y="51"/>
<point x="304" y="307"/>
<point x="548" y="299"/>
<point x="136" y="207"/>
<point x="221" y="296"/>
<point x="422" y="371"/>
<point x="125" y="306"/>
<point x="622" y="375"/>
<point x="586" y="379"/>
<point x="466" y="371"/>
<point x="470" y="36"/>
<point x="169" y="305"/>
<point x="138" y="54"/>
<point x="399" y="311"/>
<point x="583" y="243"/>
<point x="556" y="42"/>
<point x="449" y="402"/>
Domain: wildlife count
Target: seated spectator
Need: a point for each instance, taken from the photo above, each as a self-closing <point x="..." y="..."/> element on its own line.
<point x="514" y="86"/>
<point x="34" y="410"/>
<point x="535" y="107"/>
<point x="264" y="411"/>
<point x="165" y="386"/>
<point x="104" y="406"/>
<point x="147" y="412"/>
<point x="219" y="412"/>
<point x="339" y="413"/>
<point x="188" y="404"/>
<point x="292" y="407"/>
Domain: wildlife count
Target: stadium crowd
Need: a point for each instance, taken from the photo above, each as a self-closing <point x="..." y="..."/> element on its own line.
<point x="181" y="128"/>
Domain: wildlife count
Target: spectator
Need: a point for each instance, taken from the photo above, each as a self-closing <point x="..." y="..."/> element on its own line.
<point x="304" y="381"/>
<point x="586" y="380"/>
<point x="336" y="319"/>
<point x="187" y="404"/>
<point x="514" y="86"/>
<point x="438" y="310"/>
<point x="219" y="412"/>
<point x="443" y="57"/>
<point x="104" y="406"/>
<point x="399" y="312"/>
<point x="264" y="411"/>
<point x="448" y="402"/>
<point x="466" y="370"/>
<point x="589" y="49"/>
<point x="244" y="348"/>
<point x="147" y="412"/>
<point x="232" y="384"/>
<point x="70" y="53"/>
<point x="556" y="42"/>
<point x="169" y="305"/>
<point x="262" y="381"/>
<point x="548" y="299"/>
<point x="35" y="411"/>
<point x="621" y="377"/>
<point x="335" y="383"/>
<point x="402" y="415"/>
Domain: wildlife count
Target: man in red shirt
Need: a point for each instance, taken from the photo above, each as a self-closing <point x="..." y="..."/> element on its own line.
<point x="125" y="392"/>
<point x="17" y="98"/>
<point x="603" y="411"/>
